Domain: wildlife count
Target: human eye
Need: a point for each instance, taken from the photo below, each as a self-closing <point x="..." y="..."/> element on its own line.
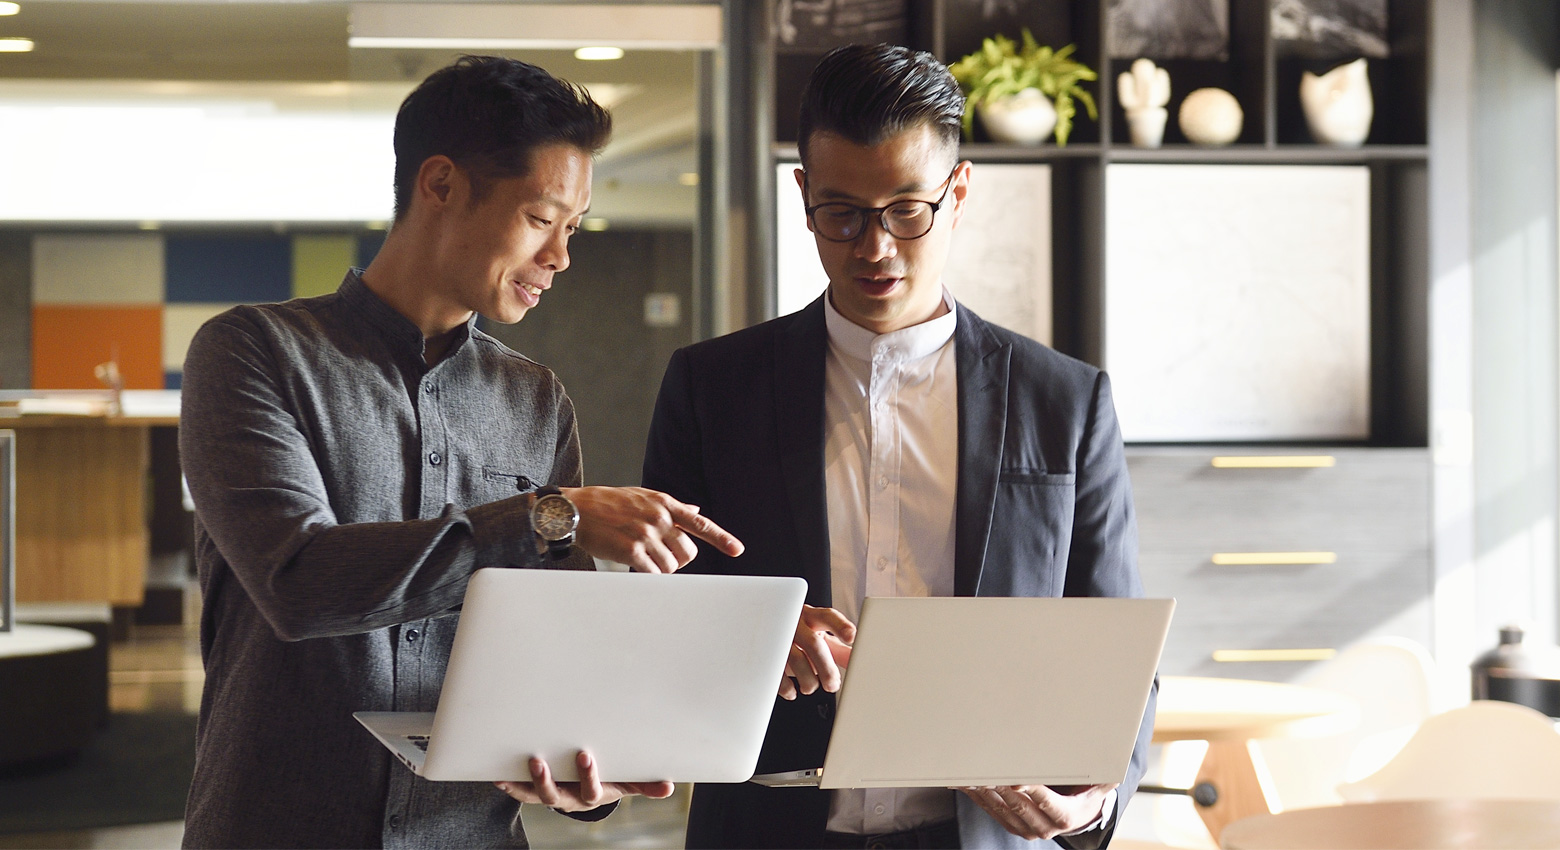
<point x="908" y="210"/>
<point x="837" y="213"/>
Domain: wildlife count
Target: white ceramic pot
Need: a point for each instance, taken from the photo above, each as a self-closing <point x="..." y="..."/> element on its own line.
<point x="1338" y="105"/>
<point x="1147" y="126"/>
<point x="1211" y="117"/>
<point x="1026" y="118"/>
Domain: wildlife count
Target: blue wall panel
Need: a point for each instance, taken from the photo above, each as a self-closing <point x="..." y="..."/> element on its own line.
<point x="229" y="268"/>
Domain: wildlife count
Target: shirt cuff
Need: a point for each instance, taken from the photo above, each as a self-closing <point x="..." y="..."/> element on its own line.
<point x="1107" y="812"/>
<point x="502" y="533"/>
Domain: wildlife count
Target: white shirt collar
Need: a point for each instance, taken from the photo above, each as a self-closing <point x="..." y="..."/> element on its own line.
<point x="915" y="342"/>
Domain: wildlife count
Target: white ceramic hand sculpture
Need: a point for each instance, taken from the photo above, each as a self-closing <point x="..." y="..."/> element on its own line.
<point x="1338" y="105"/>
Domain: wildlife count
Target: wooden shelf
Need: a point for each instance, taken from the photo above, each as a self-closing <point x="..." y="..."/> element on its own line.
<point x="1277" y="154"/>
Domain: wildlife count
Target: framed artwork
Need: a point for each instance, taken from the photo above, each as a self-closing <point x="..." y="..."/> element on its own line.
<point x="1169" y="29"/>
<point x="818" y="26"/>
<point x="999" y="262"/>
<point x="1237" y="301"/>
<point x="1330" y="29"/>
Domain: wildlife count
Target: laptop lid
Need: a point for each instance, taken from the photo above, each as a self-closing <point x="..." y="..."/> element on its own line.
<point x="660" y="677"/>
<point x="950" y="691"/>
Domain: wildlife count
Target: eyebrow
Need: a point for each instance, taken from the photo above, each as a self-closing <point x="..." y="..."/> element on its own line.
<point x="556" y="204"/>
<point x="902" y="190"/>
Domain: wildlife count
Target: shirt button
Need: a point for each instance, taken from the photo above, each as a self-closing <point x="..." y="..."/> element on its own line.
<point x="433" y="458"/>
<point x="411" y="635"/>
<point x="882" y="482"/>
<point x="428" y="387"/>
<point x="882" y="562"/>
<point x="395" y="821"/>
<point x="877" y="810"/>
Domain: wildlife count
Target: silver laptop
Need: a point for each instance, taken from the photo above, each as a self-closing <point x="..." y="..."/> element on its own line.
<point x="660" y="677"/>
<point x="952" y="691"/>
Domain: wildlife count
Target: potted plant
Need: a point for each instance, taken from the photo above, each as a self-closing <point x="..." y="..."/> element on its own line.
<point x="1022" y="91"/>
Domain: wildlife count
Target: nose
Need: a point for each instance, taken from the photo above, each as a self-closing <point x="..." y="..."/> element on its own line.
<point x="554" y="254"/>
<point x="875" y="244"/>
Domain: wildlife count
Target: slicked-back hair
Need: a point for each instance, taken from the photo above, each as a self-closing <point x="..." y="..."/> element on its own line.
<point x="867" y="93"/>
<point x="487" y="114"/>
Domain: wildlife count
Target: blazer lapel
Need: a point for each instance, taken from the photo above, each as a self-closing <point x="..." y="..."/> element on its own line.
<point x="800" y="349"/>
<point x="982" y="365"/>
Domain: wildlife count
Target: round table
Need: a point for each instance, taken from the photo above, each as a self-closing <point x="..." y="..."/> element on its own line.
<point x="1403" y="825"/>
<point x="47" y="704"/>
<point x="1200" y="709"/>
<point x="1229" y="714"/>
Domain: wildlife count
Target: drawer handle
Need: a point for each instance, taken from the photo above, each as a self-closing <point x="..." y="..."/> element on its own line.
<point x="1268" y="559"/>
<point x="1274" y="461"/>
<point x="1235" y="656"/>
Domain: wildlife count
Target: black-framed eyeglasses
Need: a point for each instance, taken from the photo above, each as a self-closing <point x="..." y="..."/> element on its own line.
<point x="841" y="222"/>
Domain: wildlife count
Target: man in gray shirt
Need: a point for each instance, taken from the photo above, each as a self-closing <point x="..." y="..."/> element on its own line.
<point x="354" y="457"/>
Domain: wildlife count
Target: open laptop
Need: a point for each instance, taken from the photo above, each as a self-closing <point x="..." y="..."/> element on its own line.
<point x="952" y="691"/>
<point x="660" y="677"/>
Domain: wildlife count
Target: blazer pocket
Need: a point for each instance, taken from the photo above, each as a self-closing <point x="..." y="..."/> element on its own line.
<point x="1036" y="476"/>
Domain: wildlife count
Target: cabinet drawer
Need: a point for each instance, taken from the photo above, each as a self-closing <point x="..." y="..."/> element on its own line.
<point x="1370" y="500"/>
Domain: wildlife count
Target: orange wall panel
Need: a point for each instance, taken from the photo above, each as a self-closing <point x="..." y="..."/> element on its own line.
<point x="68" y="341"/>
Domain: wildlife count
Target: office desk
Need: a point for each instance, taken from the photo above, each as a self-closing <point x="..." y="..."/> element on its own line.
<point x="81" y="512"/>
<point x="1401" y="825"/>
<point x="1232" y="713"/>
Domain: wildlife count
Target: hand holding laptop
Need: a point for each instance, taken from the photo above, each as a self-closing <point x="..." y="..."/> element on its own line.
<point x="588" y="793"/>
<point x="645" y="529"/>
<point x="1039" y="811"/>
<point x="820" y="652"/>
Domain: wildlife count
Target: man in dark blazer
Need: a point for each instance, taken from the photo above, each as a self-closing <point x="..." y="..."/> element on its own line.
<point x="886" y="441"/>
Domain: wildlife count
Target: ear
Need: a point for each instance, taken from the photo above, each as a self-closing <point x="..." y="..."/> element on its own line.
<point x="436" y="181"/>
<point x="960" y="189"/>
<point x="801" y="185"/>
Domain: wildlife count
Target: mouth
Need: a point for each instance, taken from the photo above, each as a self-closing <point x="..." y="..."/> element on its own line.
<point x="530" y="293"/>
<point x="877" y="285"/>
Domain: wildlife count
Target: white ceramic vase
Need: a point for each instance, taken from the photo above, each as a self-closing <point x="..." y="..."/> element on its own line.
<point x="1338" y="105"/>
<point x="1211" y="117"/>
<point x="1026" y="118"/>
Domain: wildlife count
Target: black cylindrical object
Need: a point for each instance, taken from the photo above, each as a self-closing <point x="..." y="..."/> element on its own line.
<point x="1526" y="674"/>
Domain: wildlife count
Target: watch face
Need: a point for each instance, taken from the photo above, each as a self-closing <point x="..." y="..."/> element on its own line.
<point x="554" y="517"/>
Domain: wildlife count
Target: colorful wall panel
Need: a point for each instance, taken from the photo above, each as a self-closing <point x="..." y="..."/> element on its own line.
<point x="141" y="297"/>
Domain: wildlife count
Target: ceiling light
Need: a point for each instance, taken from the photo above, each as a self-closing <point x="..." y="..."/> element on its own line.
<point x="16" y="45"/>
<point x="8" y="8"/>
<point x="688" y="178"/>
<point x="598" y="54"/>
<point x="595" y="225"/>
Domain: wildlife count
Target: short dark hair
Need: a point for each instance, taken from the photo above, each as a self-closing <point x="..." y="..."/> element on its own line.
<point x="866" y="93"/>
<point x="487" y="114"/>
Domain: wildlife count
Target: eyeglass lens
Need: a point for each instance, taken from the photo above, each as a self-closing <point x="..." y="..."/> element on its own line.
<point x="904" y="220"/>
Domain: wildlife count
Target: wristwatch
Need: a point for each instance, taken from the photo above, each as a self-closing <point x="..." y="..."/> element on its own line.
<point x="554" y="519"/>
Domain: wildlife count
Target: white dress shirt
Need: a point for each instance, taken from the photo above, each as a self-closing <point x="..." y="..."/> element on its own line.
<point x="890" y="474"/>
<point x="891" y="464"/>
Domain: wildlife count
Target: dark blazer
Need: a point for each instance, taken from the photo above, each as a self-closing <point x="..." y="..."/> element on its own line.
<point x="1043" y="508"/>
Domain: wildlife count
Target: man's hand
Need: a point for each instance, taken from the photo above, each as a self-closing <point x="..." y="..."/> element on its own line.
<point x="588" y="793"/>
<point x="820" y="650"/>
<point x="645" y="529"/>
<point x="1036" y="811"/>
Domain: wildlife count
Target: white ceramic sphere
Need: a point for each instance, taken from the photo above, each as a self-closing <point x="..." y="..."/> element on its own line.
<point x="1211" y="117"/>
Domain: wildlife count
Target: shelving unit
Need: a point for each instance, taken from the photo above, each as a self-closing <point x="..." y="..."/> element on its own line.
<point x="1394" y="458"/>
<point x="1266" y="83"/>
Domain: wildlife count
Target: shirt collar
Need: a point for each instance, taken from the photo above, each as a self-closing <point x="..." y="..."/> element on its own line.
<point x="396" y="327"/>
<point x="915" y="342"/>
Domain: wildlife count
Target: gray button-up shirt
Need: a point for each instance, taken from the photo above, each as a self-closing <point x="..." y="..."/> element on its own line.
<point x="344" y="492"/>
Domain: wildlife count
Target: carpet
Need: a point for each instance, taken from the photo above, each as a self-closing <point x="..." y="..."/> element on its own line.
<point x="136" y="770"/>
